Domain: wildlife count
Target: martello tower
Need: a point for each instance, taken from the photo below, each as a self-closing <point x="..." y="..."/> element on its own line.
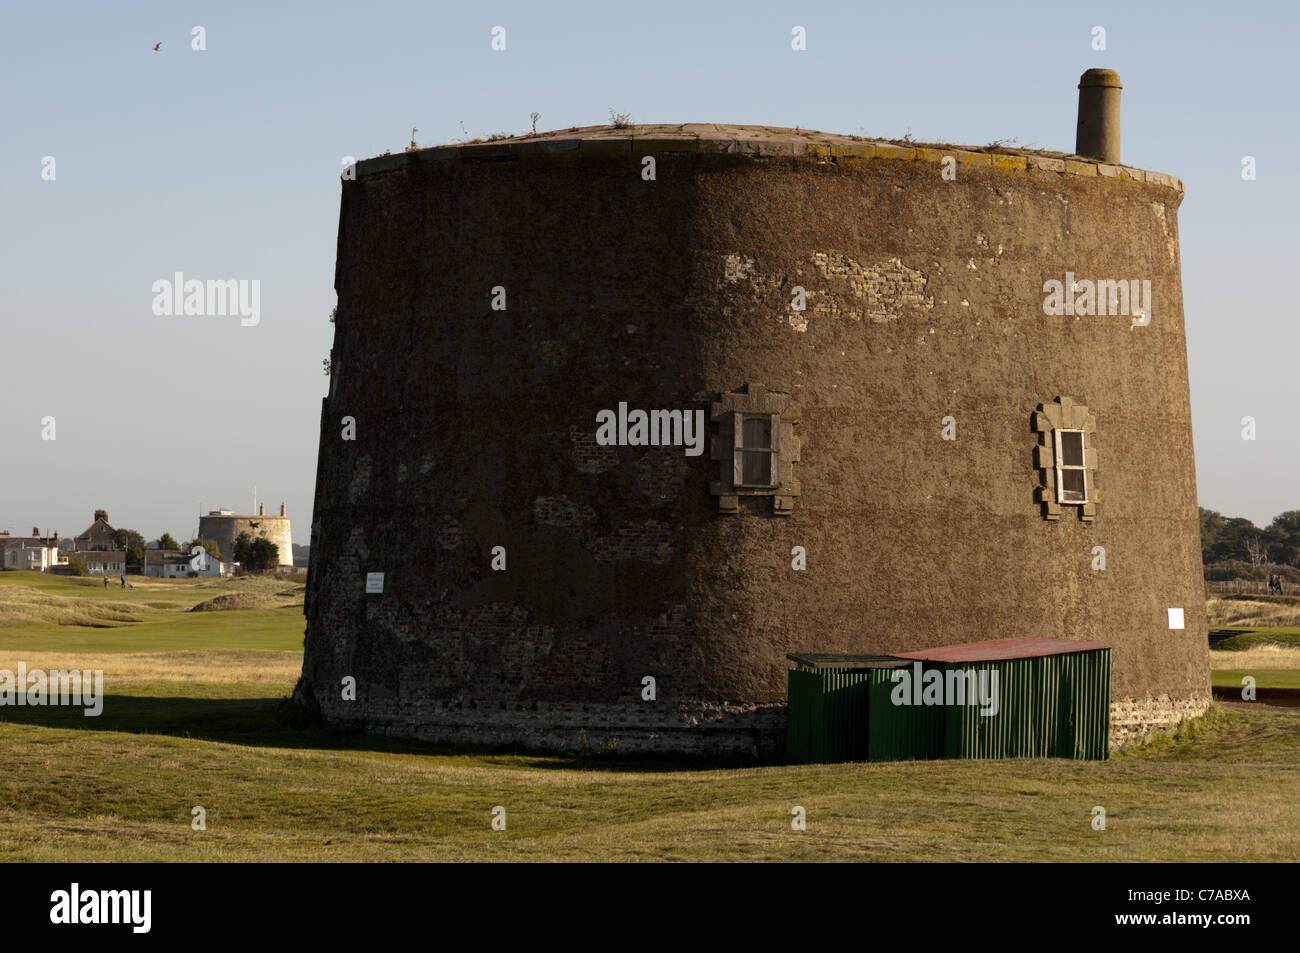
<point x="224" y="527"/>
<point x="953" y="381"/>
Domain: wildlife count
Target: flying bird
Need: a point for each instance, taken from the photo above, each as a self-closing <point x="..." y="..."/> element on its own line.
<point x="155" y="47"/>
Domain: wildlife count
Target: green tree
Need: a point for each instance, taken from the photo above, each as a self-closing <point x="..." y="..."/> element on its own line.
<point x="78" y="566"/>
<point x="132" y="543"/>
<point x="256" y="555"/>
<point x="167" y="541"/>
<point x="1211" y="532"/>
<point x="209" y="546"/>
<point x="243" y="549"/>
<point x="1284" y="533"/>
<point x="266" y="554"/>
<point x="1224" y="538"/>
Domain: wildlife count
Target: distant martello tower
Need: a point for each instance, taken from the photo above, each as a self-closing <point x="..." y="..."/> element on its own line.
<point x="955" y="380"/>
<point x="224" y="527"/>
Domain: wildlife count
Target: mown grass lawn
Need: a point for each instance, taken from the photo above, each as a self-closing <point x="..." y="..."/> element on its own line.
<point x="265" y="629"/>
<point x="1225" y="791"/>
<point x="1234" y="638"/>
<point x="195" y="717"/>
<point x="1264" y="678"/>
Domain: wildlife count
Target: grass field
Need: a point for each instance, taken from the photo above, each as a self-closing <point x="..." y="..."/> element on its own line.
<point x="1264" y="678"/>
<point x="195" y="717"/>
<point x="1272" y="660"/>
<point x="1246" y="610"/>
<point x="1240" y="637"/>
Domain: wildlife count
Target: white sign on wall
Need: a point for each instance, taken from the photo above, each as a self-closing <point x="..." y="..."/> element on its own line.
<point x="1175" y="618"/>
<point x="374" y="582"/>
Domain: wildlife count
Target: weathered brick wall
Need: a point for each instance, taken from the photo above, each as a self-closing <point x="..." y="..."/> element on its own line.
<point x="1131" y="719"/>
<point x="475" y="429"/>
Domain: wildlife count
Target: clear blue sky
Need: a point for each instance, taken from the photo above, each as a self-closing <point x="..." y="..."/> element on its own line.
<point x="225" y="163"/>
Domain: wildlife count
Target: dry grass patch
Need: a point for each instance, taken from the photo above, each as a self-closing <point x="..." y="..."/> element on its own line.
<point x="258" y="669"/>
<point x="22" y="605"/>
<point x="241" y="600"/>
<point x="1259" y="656"/>
<point x="1249" y="612"/>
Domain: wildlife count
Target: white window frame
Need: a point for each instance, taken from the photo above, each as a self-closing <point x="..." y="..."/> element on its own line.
<point x="1062" y="467"/>
<point x="739" y="450"/>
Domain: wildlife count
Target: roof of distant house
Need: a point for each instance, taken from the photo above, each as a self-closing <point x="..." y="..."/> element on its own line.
<point x="155" y="557"/>
<point x="101" y="525"/>
<point x="27" y="542"/>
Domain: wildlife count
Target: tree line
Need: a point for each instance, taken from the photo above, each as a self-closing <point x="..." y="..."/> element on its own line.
<point x="1235" y="538"/>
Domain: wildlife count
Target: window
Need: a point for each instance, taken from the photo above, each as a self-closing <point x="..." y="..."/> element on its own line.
<point x="757" y="438"/>
<point x="1066" y="456"/>
<point x="756" y="449"/>
<point x="1071" y="477"/>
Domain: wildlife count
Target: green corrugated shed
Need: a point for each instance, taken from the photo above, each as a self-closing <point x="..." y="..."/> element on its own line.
<point x="902" y="732"/>
<point x="1053" y="701"/>
<point x="1055" y="706"/>
<point x="828" y="716"/>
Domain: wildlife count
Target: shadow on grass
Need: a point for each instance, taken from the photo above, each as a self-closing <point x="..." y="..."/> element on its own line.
<point x="278" y="723"/>
<point x="1222" y="633"/>
<point x="1236" y="638"/>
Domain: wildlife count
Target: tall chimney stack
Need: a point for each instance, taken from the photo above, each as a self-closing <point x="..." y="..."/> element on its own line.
<point x="282" y="511"/>
<point x="1097" y="136"/>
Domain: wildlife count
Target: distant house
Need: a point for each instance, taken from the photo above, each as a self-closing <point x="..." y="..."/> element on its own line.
<point x="103" y="562"/>
<point x="176" y="563"/>
<point x="33" y="552"/>
<point x="98" y="536"/>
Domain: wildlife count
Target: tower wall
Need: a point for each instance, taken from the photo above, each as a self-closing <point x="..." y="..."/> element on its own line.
<point x="225" y="529"/>
<point x="475" y="428"/>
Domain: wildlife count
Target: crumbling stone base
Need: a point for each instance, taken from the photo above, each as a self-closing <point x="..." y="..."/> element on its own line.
<point x="1132" y="718"/>
<point x="756" y="731"/>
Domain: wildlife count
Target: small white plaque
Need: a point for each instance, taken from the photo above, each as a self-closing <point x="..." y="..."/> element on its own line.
<point x="375" y="583"/>
<point x="1175" y="618"/>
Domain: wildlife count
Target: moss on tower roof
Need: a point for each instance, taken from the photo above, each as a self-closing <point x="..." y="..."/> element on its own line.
<point x="610" y="141"/>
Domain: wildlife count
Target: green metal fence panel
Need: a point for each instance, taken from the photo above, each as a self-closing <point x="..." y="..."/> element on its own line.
<point x="827" y="716"/>
<point x="1055" y="706"/>
<point x="1047" y="706"/>
<point x="1091" y="731"/>
<point x="901" y="732"/>
<point x="798" y="724"/>
<point x="845" y="715"/>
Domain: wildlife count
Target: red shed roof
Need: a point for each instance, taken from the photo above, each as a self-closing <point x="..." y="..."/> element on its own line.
<point x="1029" y="646"/>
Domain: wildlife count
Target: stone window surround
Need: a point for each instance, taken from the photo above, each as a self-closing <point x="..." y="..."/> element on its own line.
<point x="730" y="407"/>
<point x="1064" y="414"/>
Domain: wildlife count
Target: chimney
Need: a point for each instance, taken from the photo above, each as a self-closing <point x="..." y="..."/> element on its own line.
<point x="1097" y="136"/>
<point x="282" y="510"/>
<point x="101" y="515"/>
<point x="261" y="509"/>
<point x="36" y="532"/>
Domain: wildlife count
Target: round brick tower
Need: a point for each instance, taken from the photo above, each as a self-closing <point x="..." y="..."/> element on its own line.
<point x="910" y="438"/>
<point x="224" y="527"/>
